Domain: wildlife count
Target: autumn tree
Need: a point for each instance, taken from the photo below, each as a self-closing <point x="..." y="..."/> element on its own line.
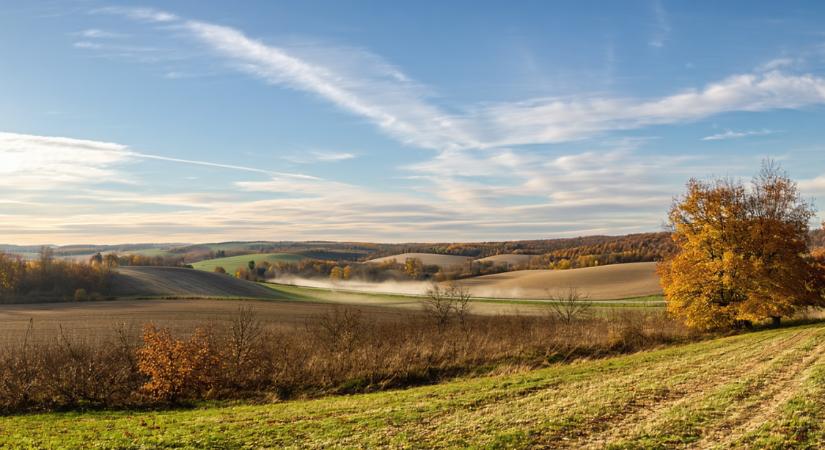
<point x="336" y="274"/>
<point x="742" y="252"/>
<point x="414" y="268"/>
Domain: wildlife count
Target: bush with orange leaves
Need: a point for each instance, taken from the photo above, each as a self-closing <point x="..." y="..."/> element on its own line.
<point x="177" y="369"/>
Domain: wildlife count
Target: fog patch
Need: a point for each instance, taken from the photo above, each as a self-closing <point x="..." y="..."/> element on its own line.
<point x="419" y="288"/>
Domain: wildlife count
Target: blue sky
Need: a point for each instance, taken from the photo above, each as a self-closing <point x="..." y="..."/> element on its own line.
<point x="190" y="121"/>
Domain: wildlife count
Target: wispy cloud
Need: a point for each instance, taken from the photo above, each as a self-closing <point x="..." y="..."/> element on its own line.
<point x="661" y="31"/>
<point x="94" y="33"/>
<point x="313" y="157"/>
<point x="29" y="162"/>
<point x="731" y="134"/>
<point x="44" y="162"/>
<point x="140" y="14"/>
<point x="367" y="86"/>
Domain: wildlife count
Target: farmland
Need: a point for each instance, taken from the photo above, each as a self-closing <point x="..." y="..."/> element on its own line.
<point x="761" y="389"/>
<point x="597" y="283"/>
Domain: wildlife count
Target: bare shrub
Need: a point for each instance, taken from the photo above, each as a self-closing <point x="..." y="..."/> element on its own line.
<point x="445" y="304"/>
<point x="568" y="306"/>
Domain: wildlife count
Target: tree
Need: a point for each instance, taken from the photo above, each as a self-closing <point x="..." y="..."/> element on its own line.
<point x="742" y="254"/>
<point x="568" y="306"/>
<point x="414" y="268"/>
<point x="443" y="304"/>
<point x="97" y="258"/>
<point x="335" y="274"/>
<point x="110" y="260"/>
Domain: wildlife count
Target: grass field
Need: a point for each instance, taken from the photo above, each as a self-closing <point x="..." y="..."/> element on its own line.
<point x="230" y="263"/>
<point x="764" y="389"/>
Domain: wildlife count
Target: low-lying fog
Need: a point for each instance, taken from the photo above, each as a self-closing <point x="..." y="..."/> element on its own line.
<point x="386" y="287"/>
<point x="406" y="287"/>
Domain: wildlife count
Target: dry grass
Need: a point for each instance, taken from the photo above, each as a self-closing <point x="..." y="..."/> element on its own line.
<point x="755" y="390"/>
<point x="341" y="350"/>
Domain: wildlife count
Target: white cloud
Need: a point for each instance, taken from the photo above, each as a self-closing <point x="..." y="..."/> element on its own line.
<point x="367" y="86"/>
<point x="88" y="45"/>
<point x="41" y="162"/>
<point x="359" y="82"/>
<point x="45" y="162"/>
<point x="140" y="14"/>
<point x="94" y="33"/>
<point x="778" y="63"/>
<point x="731" y="134"/>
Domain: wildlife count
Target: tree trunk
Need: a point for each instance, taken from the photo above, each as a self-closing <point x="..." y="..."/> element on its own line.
<point x="776" y="320"/>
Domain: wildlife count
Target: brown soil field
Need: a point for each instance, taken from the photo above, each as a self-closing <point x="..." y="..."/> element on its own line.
<point x="598" y="283"/>
<point x="511" y="259"/>
<point x="92" y="320"/>
<point x="176" y="281"/>
<point x="430" y="259"/>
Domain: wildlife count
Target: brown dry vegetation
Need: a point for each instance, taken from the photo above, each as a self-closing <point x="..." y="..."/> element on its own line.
<point x="340" y="351"/>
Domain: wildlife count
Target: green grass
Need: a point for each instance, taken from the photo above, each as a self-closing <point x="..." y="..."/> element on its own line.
<point x="232" y="263"/>
<point x="338" y="296"/>
<point x="151" y="252"/>
<point x="763" y="389"/>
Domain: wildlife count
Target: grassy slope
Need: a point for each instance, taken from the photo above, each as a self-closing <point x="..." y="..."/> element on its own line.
<point x="230" y="263"/>
<point x="764" y="389"/>
<point x="314" y="294"/>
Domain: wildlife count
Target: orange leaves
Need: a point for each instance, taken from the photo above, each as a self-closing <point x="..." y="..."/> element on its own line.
<point x="741" y="252"/>
<point x="176" y="368"/>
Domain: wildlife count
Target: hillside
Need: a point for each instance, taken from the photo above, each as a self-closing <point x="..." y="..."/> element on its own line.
<point x="598" y="283"/>
<point x="429" y="259"/>
<point x="230" y="263"/>
<point x="756" y="390"/>
<point x="176" y="281"/>
<point x="511" y="259"/>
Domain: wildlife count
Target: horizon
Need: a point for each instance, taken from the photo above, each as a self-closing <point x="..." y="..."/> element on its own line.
<point x="185" y="244"/>
<point x="194" y="122"/>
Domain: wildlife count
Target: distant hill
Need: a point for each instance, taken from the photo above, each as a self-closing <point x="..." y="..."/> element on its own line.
<point x="181" y="282"/>
<point x="428" y="259"/>
<point x="230" y="263"/>
<point x="512" y="259"/>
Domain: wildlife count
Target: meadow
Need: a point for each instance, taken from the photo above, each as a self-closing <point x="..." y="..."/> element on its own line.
<point x="231" y="263"/>
<point x="763" y="389"/>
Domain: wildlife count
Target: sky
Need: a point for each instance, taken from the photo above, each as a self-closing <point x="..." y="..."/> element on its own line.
<point x="195" y="121"/>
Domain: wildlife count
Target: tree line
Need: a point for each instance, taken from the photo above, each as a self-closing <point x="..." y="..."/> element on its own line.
<point x="51" y="278"/>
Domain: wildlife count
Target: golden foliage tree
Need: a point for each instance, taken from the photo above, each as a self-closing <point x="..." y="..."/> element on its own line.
<point x="176" y="368"/>
<point x="742" y="252"/>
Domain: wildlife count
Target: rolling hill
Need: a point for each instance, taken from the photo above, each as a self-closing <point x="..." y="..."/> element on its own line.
<point x="180" y="282"/>
<point x="429" y="259"/>
<point x="598" y="283"/>
<point x="230" y="263"/>
<point x="507" y="258"/>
